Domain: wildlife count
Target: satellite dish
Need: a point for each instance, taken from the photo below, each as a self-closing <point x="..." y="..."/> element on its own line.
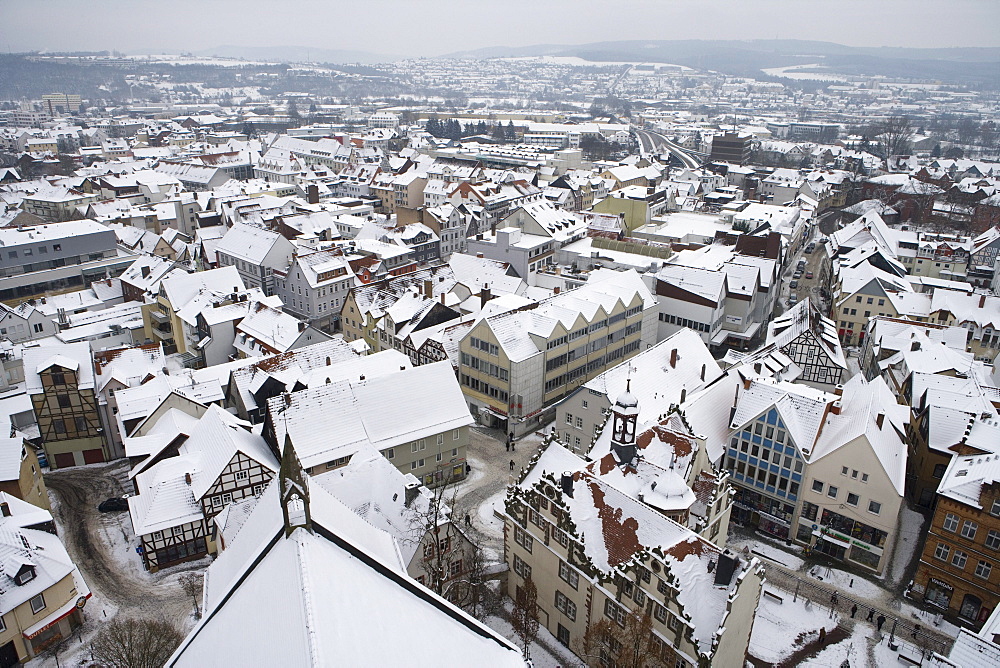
<point x="80" y="602"/>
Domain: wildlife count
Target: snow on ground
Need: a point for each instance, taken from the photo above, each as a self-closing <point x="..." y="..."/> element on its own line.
<point x="910" y="530"/>
<point x="849" y="582"/>
<point x="770" y="552"/>
<point x="545" y="652"/>
<point x="781" y="628"/>
<point x="488" y="522"/>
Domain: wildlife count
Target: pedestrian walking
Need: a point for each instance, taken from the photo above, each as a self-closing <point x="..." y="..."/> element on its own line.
<point x="468" y="520"/>
<point x="468" y="468"/>
<point x="822" y="635"/>
<point x="512" y="465"/>
<point x="916" y="631"/>
<point x="871" y="614"/>
<point x="879" y="622"/>
<point x="508" y="446"/>
<point x="833" y="601"/>
<point x="854" y="610"/>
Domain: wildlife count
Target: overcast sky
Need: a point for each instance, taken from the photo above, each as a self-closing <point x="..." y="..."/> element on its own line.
<point x="435" y="27"/>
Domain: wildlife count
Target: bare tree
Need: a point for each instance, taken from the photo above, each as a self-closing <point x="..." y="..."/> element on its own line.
<point x="191" y="585"/>
<point x="524" y="617"/>
<point x="135" y="643"/>
<point x="628" y="646"/>
<point x="892" y="136"/>
<point x="436" y="534"/>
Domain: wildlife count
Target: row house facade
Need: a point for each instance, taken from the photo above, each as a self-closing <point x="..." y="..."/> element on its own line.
<point x="959" y="569"/>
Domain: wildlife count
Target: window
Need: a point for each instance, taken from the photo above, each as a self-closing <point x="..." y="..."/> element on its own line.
<point x="843" y="470"/>
<point x="569" y="419"/>
<point x="993" y="539"/>
<point x="565" y="606"/>
<point x="941" y="552"/>
<point x="456" y="434"/>
<point x="522" y="568"/>
<point x="38" y="327"/>
<point x="568" y="575"/>
<point x="959" y="559"/>
<point x="390" y="453"/>
<point x="983" y="569"/>
<point x="832" y="492"/>
<point x="522" y="538"/>
<point x="874" y="507"/>
<point x="995" y="509"/>
<point x="242" y="475"/>
<point x="579" y="422"/>
<point x="852" y="499"/>
<point x="27" y="576"/>
<point x="659" y="612"/>
<point x="969" y="529"/>
<point x="950" y="522"/>
<point x="3" y="625"/>
<point x="64" y="401"/>
<point x="864" y="477"/>
<point x="37" y="603"/>
<point x="614" y="612"/>
<point x="817" y="486"/>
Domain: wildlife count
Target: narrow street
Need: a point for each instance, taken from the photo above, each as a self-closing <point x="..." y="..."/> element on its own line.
<point x="98" y="542"/>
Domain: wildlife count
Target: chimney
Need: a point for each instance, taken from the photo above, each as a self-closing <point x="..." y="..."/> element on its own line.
<point x="362" y="377"/>
<point x="673" y="358"/>
<point x="5" y="509"/>
<point x="835" y="408"/>
<point x="187" y="478"/>
<point x="555" y="290"/>
<point x="879" y="419"/>
<point x="703" y="372"/>
<point x="480" y="255"/>
<point x="728" y="562"/>
<point x="429" y="289"/>
<point x="684" y="394"/>
<point x="410" y="491"/>
<point x="442" y="297"/>
<point x="485" y="295"/>
<point x="302" y="326"/>
<point x="145" y="272"/>
<point x="915" y="345"/>
<point x="312" y="194"/>
<point x="328" y="361"/>
<point x="566" y="482"/>
<point x="982" y="301"/>
<point x="839" y="390"/>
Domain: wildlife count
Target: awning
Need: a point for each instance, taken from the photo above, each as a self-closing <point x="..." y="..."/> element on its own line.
<point x="51" y="620"/>
<point x="831" y="539"/>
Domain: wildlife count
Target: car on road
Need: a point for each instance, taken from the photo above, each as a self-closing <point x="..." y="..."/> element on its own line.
<point x="809" y="274"/>
<point x="113" y="505"/>
<point x="793" y="284"/>
<point x="824" y="240"/>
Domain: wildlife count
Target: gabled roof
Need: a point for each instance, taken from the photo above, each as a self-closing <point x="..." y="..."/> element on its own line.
<point x="335" y="594"/>
<point x="73" y="356"/>
<point x="805" y="320"/>
<point x="965" y="477"/>
<point x="332" y="420"/>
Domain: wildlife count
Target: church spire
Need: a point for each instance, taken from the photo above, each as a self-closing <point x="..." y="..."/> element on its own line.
<point x="294" y="490"/>
<point x="624" y="415"/>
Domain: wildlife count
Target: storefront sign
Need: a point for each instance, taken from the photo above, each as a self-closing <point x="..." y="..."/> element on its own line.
<point x="942" y="584"/>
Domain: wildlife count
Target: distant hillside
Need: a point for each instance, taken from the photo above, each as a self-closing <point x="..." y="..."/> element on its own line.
<point x="297" y="54"/>
<point x="974" y="66"/>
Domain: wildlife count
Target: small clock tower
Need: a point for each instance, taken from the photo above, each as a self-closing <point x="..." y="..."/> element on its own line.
<point x="624" y="415"/>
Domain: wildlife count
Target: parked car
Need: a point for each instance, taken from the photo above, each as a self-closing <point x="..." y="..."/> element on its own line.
<point x="797" y="274"/>
<point x="113" y="505"/>
<point x="809" y="274"/>
<point x="793" y="284"/>
<point x="792" y="299"/>
<point x="824" y="240"/>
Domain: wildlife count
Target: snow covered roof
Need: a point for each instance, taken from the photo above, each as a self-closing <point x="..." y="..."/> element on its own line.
<point x="805" y="319"/>
<point x="614" y="528"/>
<point x="335" y="594"/>
<point x="272" y="329"/>
<point x="20" y="547"/>
<point x="10" y="458"/>
<point x="965" y="477"/>
<point x="73" y="356"/>
<point x="331" y="420"/>
<point x="657" y="375"/>
<point x="249" y="243"/>
<point x="801" y="408"/>
<point x="518" y="332"/>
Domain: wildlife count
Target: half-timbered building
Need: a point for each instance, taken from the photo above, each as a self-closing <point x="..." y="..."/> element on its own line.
<point x="60" y="381"/>
<point x="187" y="471"/>
<point x="810" y="340"/>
